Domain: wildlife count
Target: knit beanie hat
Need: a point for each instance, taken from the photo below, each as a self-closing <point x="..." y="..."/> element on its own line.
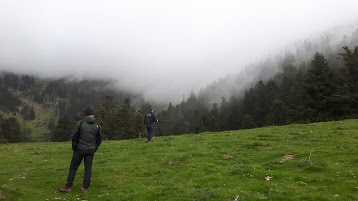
<point x="89" y="112"/>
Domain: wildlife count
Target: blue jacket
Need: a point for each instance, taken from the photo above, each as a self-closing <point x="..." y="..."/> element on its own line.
<point x="149" y="119"/>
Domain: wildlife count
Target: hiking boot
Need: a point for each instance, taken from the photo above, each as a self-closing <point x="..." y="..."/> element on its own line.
<point x="65" y="190"/>
<point x="83" y="190"/>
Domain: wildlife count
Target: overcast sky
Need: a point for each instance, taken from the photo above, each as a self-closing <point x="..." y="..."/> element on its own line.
<point x="161" y="48"/>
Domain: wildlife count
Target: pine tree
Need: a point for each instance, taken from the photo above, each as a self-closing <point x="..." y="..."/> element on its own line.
<point x="235" y="117"/>
<point x="2" y="138"/>
<point x="127" y="121"/>
<point x="278" y="113"/>
<point x="51" y="124"/>
<point x="264" y="95"/>
<point x="204" y="123"/>
<point x="214" y="115"/>
<point x="318" y="90"/>
<point x="343" y="99"/>
<point x="63" y="130"/>
<point x="32" y="114"/>
<point x="224" y="114"/>
<point x="11" y="130"/>
<point x="248" y="122"/>
<point x="107" y="115"/>
<point x="350" y="59"/>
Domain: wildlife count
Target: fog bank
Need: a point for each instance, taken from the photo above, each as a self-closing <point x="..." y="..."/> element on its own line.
<point x="161" y="49"/>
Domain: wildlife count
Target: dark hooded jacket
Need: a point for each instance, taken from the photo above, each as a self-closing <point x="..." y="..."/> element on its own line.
<point x="150" y="119"/>
<point x="87" y="135"/>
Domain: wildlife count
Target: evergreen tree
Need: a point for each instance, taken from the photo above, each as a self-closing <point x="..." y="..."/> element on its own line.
<point x="11" y="80"/>
<point x="107" y="115"/>
<point x="287" y="67"/>
<point x="164" y="116"/>
<point x="278" y="113"/>
<point x="265" y="94"/>
<point x="11" y="130"/>
<point x="213" y="124"/>
<point x="28" y="113"/>
<point x="248" y="122"/>
<point x="2" y="138"/>
<point x="22" y="87"/>
<point x="38" y="97"/>
<point x="9" y="100"/>
<point x="204" y="123"/>
<point x="127" y="121"/>
<point x="25" y="135"/>
<point x="25" y="110"/>
<point x="32" y="114"/>
<point x="62" y="107"/>
<point x="318" y="89"/>
<point x="63" y="130"/>
<point x="350" y="59"/>
<point x="235" y="117"/>
<point x="249" y="101"/>
<point x="343" y="99"/>
<point x="224" y="114"/>
<point x="51" y="124"/>
<point x="27" y="81"/>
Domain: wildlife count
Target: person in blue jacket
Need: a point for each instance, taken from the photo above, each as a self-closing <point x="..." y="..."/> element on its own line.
<point x="149" y="121"/>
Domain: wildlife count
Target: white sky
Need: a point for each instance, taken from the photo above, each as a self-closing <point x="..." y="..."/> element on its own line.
<point x="162" y="48"/>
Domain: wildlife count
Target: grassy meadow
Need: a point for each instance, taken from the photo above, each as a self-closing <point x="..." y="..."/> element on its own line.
<point x="295" y="162"/>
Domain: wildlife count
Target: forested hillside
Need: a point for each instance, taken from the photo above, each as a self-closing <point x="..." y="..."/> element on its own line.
<point x="34" y="109"/>
<point x="318" y="82"/>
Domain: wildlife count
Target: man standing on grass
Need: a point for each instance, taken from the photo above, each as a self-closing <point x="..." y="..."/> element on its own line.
<point x="86" y="139"/>
<point x="150" y="120"/>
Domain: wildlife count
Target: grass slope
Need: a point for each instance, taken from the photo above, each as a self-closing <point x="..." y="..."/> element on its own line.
<point x="37" y="128"/>
<point x="295" y="162"/>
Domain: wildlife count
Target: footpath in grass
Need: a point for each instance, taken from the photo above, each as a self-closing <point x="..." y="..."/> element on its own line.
<point x="294" y="162"/>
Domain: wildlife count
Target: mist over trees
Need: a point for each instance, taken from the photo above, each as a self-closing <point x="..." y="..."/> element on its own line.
<point x="317" y="82"/>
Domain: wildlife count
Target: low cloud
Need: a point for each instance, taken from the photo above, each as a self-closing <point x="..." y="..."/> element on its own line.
<point x="162" y="49"/>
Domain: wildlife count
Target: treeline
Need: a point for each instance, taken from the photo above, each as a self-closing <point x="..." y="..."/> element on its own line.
<point x="294" y="90"/>
<point x="64" y="99"/>
<point x="320" y="91"/>
<point x="118" y="121"/>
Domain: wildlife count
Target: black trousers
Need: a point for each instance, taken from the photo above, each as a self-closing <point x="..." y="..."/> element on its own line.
<point x="76" y="160"/>
<point x="150" y="130"/>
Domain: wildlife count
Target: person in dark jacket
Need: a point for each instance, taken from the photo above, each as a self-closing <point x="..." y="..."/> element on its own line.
<point x="86" y="139"/>
<point x="150" y="120"/>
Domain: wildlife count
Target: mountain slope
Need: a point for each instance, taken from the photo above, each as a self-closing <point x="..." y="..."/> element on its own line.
<point x="294" y="162"/>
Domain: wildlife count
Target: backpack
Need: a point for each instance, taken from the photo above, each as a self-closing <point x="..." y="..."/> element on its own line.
<point x="76" y="137"/>
<point x="148" y="119"/>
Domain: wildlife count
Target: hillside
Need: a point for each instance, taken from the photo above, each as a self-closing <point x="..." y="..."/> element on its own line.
<point x="312" y="81"/>
<point x="37" y="103"/>
<point x="294" y="162"/>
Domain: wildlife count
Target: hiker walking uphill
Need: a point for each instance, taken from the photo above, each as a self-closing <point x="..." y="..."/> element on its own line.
<point x="150" y="120"/>
<point x="86" y="139"/>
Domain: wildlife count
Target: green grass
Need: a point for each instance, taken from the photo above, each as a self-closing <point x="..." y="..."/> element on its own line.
<point x="38" y="126"/>
<point x="306" y="162"/>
